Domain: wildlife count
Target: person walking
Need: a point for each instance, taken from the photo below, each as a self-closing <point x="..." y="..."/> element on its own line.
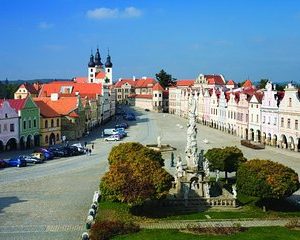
<point x="90" y="152"/>
<point x="92" y="145"/>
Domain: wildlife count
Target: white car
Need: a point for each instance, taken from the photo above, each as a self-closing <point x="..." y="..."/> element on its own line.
<point x="114" y="137"/>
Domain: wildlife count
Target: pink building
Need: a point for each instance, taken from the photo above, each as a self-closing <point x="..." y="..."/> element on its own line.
<point x="9" y="126"/>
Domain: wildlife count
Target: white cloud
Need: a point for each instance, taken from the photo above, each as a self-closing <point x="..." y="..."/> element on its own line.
<point x="131" y="12"/>
<point x="45" y="25"/>
<point x="104" y="13"/>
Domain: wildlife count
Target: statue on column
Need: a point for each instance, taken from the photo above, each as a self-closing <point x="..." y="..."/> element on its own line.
<point x="179" y="168"/>
<point x="191" y="146"/>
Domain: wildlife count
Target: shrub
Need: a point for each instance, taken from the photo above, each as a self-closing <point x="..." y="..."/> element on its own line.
<point x="219" y="230"/>
<point x="248" y="144"/>
<point x="104" y="230"/>
<point x="266" y="179"/>
<point x="134" y="182"/>
<point x="132" y="151"/>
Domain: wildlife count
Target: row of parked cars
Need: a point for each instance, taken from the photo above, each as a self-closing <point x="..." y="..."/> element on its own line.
<point x="41" y="154"/>
<point x="117" y="133"/>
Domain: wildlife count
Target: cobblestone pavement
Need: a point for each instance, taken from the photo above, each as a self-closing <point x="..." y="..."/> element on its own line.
<point x="51" y="200"/>
<point x="180" y="224"/>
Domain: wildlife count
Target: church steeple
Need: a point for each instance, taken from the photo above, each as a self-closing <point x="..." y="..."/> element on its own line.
<point x="108" y="63"/>
<point x="91" y="63"/>
<point x="98" y="59"/>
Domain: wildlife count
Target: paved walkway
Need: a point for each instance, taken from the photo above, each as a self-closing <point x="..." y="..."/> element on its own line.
<point x="179" y="224"/>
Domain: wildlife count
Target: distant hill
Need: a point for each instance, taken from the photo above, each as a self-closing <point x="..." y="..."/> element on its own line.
<point x="44" y="80"/>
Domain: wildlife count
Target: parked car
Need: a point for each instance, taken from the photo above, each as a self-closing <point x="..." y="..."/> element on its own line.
<point x="58" y="151"/>
<point x="80" y="148"/>
<point x="39" y="155"/>
<point x="147" y="110"/>
<point x="122" y="132"/>
<point x="115" y="137"/>
<point x="3" y="164"/>
<point x="17" y="162"/>
<point x="47" y="154"/>
<point x="122" y="125"/>
<point x="110" y="131"/>
<point x="31" y="159"/>
<point x="129" y="117"/>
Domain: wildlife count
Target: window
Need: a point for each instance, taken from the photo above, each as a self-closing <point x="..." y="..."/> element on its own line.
<point x="6" y="115"/>
<point x="92" y="80"/>
<point x="29" y="123"/>
<point x="12" y="127"/>
<point x="34" y="122"/>
<point x="126" y="90"/>
<point x="5" y="127"/>
<point x="91" y="75"/>
<point x="46" y="139"/>
<point x="24" y="124"/>
<point x="296" y="125"/>
<point x="52" y="123"/>
<point x="155" y="95"/>
<point x="264" y="119"/>
<point x="108" y="70"/>
<point x="256" y="118"/>
<point x="251" y="105"/>
<point x="92" y="70"/>
<point x="46" y="124"/>
<point x="119" y="90"/>
<point x="289" y="123"/>
<point x="256" y="105"/>
<point x="290" y="102"/>
<point x="275" y="120"/>
<point x="57" y="137"/>
<point x="159" y="95"/>
<point x="57" y="122"/>
<point x="282" y="122"/>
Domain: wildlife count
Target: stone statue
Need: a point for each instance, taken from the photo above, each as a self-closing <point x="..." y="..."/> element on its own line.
<point x="159" y="141"/>
<point x="194" y="185"/>
<point x="179" y="168"/>
<point x="217" y="175"/>
<point x="206" y="168"/>
<point x="206" y="190"/>
<point x="234" y="193"/>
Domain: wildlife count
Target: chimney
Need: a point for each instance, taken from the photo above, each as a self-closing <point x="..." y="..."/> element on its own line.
<point x="144" y="78"/>
<point x="133" y="78"/>
<point x="120" y="79"/>
<point x="76" y="93"/>
<point x="54" y="96"/>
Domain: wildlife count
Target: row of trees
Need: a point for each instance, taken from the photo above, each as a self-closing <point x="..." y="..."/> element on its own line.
<point x="8" y="89"/>
<point x="260" y="178"/>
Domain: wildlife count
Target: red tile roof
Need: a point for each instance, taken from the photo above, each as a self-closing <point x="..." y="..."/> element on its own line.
<point x="45" y="109"/>
<point x="100" y="75"/>
<point x="259" y="96"/>
<point x="214" y="79"/>
<point x="63" y="106"/>
<point x="30" y="88"/>
<point x="185" y="82"/>
<point x="16" y="104"/>
<point x="123" y="81"/>
<point x="84" y="89"/>
<point x="247" y="84"/>
<point x="81" y="79"/>
<point x="230" y="82"/>
<point x="145" y="83"/>
<point x="157" y="87"/>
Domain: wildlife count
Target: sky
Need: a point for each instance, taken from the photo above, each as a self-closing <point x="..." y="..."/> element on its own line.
<point x="241" y="39"/>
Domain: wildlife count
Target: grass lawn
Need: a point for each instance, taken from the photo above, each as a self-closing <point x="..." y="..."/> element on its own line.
<point x="258" y="233"/>
<point x="251" y="209"/>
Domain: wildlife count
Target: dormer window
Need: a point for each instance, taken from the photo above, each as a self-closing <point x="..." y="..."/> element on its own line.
<point x="290" y="102"/>
<point x="6" y="116"/>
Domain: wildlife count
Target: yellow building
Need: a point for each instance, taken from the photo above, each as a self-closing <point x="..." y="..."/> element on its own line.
<point x="26" y="89"/>
<point x="50" y="124"/>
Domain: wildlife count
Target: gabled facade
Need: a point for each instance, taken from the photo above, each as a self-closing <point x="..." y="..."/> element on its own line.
<point x="255" y="117"/>
<point x="26" y="89"/>
<point x="289" y="114"/>
<point x="9" y="126"/>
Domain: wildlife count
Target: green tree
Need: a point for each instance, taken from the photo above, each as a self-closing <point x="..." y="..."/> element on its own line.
<point x="132" y="151"/>
<point x="165" y="79"/>
<point x="266" y="179"/>
<point x="225" y="159"/>
<point x="262" y="83"/>
<point x="134" y="182"/>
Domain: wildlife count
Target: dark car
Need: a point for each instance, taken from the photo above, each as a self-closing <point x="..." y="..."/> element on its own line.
<point x="3" y="164"/>
<point x="31" y="159"/>
<point x="122" y="125"/>
<point x="147" y="110"/>
<point x="17" y="162"/>
<point x="58" y="151"/>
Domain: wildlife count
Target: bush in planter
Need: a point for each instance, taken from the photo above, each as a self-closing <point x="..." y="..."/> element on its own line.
<point x="104" y="230"/>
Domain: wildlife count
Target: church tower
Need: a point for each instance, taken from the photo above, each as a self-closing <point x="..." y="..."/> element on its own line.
<point x="98" y="63"/>
<point x="91" y="69"/>
<point x="108" y="69"/>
